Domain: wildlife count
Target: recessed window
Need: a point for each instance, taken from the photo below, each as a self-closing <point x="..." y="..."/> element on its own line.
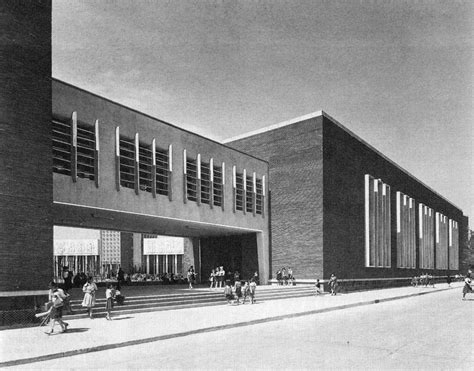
<point x="259" y="197"/>
<point x="145" y="162"/>
<point x="377" y="223"/>
<point x="217" y="188"/>
<point x="191" y="179"/>
<point x="249" y="194"/>
<point x="406" y="231"/>
<point x="61" y="147"/>
<point x="127" y="162"/>
<point x="85" y="151"/>
<point x="239" y="191"/>
<point x="205" y="183"/>
<point x="426" y="237"/>
<point x="162" y="171"/>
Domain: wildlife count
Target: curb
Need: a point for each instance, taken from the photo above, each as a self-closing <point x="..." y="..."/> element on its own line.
<point x="152" y="339"/>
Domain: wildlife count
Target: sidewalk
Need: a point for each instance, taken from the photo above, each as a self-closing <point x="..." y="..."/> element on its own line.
<point x="27" y="345"/>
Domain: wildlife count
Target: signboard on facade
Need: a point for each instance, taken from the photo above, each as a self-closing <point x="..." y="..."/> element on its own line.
<point x="76" y="247"/>
<point x="163" y="245"/>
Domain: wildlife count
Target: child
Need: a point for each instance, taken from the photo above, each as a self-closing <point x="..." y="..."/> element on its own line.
<point x="318" y="287"/>
<point x="245" y="291"/>
<point x="252" y="288"/>
<point x="109" y="304"/>
<point x="238" y="291"/>
<point x="228" y="292"/>
<point x="212" y="277"/>
<point x="56" y="313"/>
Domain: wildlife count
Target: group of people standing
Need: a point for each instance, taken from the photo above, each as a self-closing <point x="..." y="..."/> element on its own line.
<point x="239" y="292"/>
<point x="284" y="276"/>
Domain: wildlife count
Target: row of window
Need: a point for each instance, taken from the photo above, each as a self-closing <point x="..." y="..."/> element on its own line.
<point x="145" y="167"/>
<point x="438" y="236"/>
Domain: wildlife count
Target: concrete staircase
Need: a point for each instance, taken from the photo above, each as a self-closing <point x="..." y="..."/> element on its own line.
<point x="199" y="297"/>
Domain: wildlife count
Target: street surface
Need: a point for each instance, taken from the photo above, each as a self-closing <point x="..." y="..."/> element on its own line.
<point x="428" y="332"/>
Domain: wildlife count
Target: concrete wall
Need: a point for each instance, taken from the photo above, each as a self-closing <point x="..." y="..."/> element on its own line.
<point x="294" y="153"/>
<point x="26" y="190"/>
<point x="89" y="107"/>
<point x="346" y="161"/>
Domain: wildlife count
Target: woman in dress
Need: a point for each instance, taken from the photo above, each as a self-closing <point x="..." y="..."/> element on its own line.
<point x="89" y="289"/>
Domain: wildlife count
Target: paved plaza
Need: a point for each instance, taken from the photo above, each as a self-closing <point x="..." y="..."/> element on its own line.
<point x="405" y="330"/>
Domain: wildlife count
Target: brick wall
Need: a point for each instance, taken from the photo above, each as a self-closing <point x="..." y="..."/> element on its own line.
<point x="26" y="229"/>
<point x="346" y="161"/>
<point x="294" y="154"/>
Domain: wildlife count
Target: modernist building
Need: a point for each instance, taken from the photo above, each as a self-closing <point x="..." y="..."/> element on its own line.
<point x="339" y="205"/>
<point x="307" y="193"/>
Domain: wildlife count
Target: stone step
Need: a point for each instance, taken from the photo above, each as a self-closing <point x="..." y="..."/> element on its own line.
<point x="173" y="302"/>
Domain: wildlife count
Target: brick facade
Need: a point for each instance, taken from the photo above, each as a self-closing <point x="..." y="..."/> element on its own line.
<point x="294" y="154"/>
<point x="26" y="228"/>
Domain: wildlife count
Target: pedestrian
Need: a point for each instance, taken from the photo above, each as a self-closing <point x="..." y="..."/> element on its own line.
<point x="333" y="284"/>
<point x="89" y="289"/>
<point x="467" y="288"/>
<point x="191" y="276"/>
<point x="448" y="280"/>
<point x="228" y="292"/>
<point x="120" y="278"/>
<point x="279" y="277"/>
<point x="318" y="287"/>
<point x="238" y="291"/>
<point x="66" y="298"/>
<point x="252" y="289"/>
<point x="245" y="291"/>
<point x="255" y="278"/>
<point x="212" y="278"/>
<point x="109" y="297"/>
<point x="284" y="276"/>
<point x="221" y="276"/>
<point x="56" y="314"/>
<point x="67" y="276"/>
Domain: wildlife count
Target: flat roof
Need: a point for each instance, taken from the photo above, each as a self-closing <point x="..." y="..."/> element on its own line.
<point x="355" y="136"/>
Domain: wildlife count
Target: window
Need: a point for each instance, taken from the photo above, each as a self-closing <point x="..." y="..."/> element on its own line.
<point x="453" y="245"/>
<point x="217" y="186"/>
<point x="377" y="223"/>
<point x="239" y="191"/>
<point x="426" y="236"/>
<point x="191" y="179"/>
<point x="61" y="147"/>
<point x="205" y="183"/>
<point x="145" y="163"/>
<point x="406" y="231"/>
<point x="249" y="194"/>
<point x="259" y="196"/>
<point x="127" y="162"/>
<point x="162" y="171"/>
<point x="85" y="152"/>
<point x="441" y="241"/>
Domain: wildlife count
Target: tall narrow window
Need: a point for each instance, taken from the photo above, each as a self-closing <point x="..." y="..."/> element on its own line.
<point x="259" y="196"/>
<point x="85" y="151"/>
<point x="162" y="171"/>
<point x="441" y="242"/>
<point x="239" y="191"/>
<point x="406" y="231"/>
<point x="249" y="195"/>
<point x="453" y="245"/>
<point x="217" y="189"/>
<point x="127" y="162"/>
<point x="426" y="237"/>
<point x="377" y="223"/>
<point x="61" y="147"/>
<point x="205" y="183"/>
<point x="191" y="179"/>
<point x="145" y="161"/>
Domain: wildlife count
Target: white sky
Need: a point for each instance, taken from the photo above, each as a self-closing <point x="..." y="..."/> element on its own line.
<point x="397" y="73"/>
